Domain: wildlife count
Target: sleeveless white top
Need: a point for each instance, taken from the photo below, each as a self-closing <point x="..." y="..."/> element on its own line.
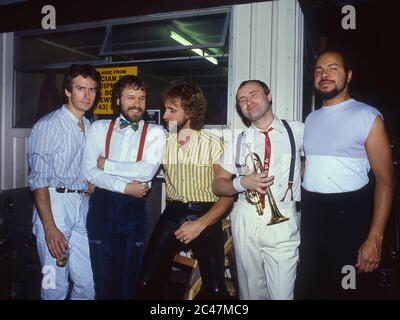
<point x="334" y="138"/>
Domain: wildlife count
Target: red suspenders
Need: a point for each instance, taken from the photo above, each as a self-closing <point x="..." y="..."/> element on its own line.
<point x="141" y="144"/>
<point x="142" y="140"/>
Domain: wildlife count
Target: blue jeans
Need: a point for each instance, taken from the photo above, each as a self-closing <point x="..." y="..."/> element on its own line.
<point x="117" y="227"/>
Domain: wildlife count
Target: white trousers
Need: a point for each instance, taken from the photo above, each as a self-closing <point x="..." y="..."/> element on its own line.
<point x="69" y="212"/>
<point x="266" y="256"/>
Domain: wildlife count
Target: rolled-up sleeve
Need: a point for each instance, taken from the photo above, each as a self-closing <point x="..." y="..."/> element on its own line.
<point x="42" y="144"/>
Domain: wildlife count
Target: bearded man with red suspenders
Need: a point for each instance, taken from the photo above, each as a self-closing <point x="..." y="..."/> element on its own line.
<point x="121" y="158"/>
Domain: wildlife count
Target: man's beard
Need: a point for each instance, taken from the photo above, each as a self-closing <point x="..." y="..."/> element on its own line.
<point x="328" y="95"/>
<point x="175" y="127"/>
<point x="133" y="118"/>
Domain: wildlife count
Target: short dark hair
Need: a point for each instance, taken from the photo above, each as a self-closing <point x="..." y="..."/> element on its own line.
<point x="129" y="81"/>
<point x="84" y="70"/>
<point x="262" y="84"/>
<point x="192" y="100"/>
<point x="346" y="57"/>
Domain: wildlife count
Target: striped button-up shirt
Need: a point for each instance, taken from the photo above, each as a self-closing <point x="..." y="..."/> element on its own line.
<point x="55" y="150"/>
<point x="189" y="176"/>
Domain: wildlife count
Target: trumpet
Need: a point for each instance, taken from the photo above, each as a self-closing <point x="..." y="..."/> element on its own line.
<point x="254" y="197"/>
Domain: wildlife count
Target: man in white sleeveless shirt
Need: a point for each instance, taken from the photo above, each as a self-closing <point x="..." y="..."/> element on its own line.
<point x="343" y="215"/>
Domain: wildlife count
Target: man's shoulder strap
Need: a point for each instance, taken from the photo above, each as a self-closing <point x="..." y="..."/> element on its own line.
<point x="108" y="138"/>
<point x="292" y="159"/>
<point x="141" y="143"/>
<point x="292" y="148"/>
<point x="238" y="150"/>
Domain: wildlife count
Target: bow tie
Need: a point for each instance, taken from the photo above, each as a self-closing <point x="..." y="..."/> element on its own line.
<point x="124" y="123"/>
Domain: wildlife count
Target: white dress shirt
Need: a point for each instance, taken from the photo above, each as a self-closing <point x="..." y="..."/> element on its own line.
<point x="121" y="166"/>
<point x="254" y="141"/>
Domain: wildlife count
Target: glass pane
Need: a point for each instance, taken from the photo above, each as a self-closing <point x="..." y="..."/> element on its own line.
<point x="212" y="79"/>
<point x="157" y="34"/>
<point x="40" y="91"/>
<point x="61" y="47"/>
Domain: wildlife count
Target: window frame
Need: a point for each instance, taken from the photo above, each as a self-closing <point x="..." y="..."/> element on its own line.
<point x="107" y="54"/>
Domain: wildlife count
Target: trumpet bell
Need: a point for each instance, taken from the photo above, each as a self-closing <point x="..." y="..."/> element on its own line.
<point x="276" y="215"/>
<point x="275" y="219"/>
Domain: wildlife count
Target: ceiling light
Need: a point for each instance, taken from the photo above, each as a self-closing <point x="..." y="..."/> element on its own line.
<point x="185" y="42"/>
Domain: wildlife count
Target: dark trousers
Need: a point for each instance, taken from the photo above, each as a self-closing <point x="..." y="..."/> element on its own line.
<point x="208" y="249"/>
<point x="117" y="226"/>
<point x="333" y="228"/>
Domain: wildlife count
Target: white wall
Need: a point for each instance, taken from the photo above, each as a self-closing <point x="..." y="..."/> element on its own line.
<point x="13" y="146"/>
<point x="267" y="42"/>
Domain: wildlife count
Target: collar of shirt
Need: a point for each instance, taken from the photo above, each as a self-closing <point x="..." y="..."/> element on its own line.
<point x="173" y="137"/>
<point x="276" y="124"/>
<point x="141" y="123"/>
<point x="74" y="118"/>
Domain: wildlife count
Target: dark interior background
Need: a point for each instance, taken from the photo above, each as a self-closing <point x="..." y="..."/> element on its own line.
<point x="373" y="47"/>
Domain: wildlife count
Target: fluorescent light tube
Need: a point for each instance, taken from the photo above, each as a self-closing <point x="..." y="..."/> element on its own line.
<point x="182" y="40"/>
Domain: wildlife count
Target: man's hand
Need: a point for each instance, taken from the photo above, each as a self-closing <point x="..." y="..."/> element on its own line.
<point x="369" y="255"/>
<point x="56" y="241"/>
<point x="100" y="162"/>
<point x="90" y="189"/>
<point x="136" y="189"/>
<point x="189" y="231"/>
<point x="257" y="182"/>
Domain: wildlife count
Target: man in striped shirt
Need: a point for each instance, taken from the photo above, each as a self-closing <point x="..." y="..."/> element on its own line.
<point x="56" y="147"/>
<point x="192" y="217"/>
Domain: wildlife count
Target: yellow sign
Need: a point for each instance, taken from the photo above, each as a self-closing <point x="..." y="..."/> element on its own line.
<point x="109" y="76"/>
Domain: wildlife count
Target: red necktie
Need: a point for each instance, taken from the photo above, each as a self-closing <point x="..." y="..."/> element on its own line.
<point x="267" y="158"/>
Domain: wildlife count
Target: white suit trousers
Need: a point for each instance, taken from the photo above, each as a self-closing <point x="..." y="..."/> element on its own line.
<point x="69" y="212"/>
<point x="266" y="256"/>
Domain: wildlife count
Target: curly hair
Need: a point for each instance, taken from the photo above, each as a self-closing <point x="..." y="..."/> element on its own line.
<point x="192" y="99"/>
<point x="128" y="81"/>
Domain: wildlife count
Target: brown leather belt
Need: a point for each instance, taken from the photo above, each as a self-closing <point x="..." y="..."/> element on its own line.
<point x="66" y="190"/>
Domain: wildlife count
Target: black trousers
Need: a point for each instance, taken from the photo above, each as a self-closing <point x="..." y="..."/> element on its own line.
<point x="117" y="226"/>
<point x="333" y="228"/>
<point x="208" y="249"/>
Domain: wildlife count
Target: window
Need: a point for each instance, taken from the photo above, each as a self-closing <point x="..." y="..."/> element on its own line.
<point x="192" y="45"/>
